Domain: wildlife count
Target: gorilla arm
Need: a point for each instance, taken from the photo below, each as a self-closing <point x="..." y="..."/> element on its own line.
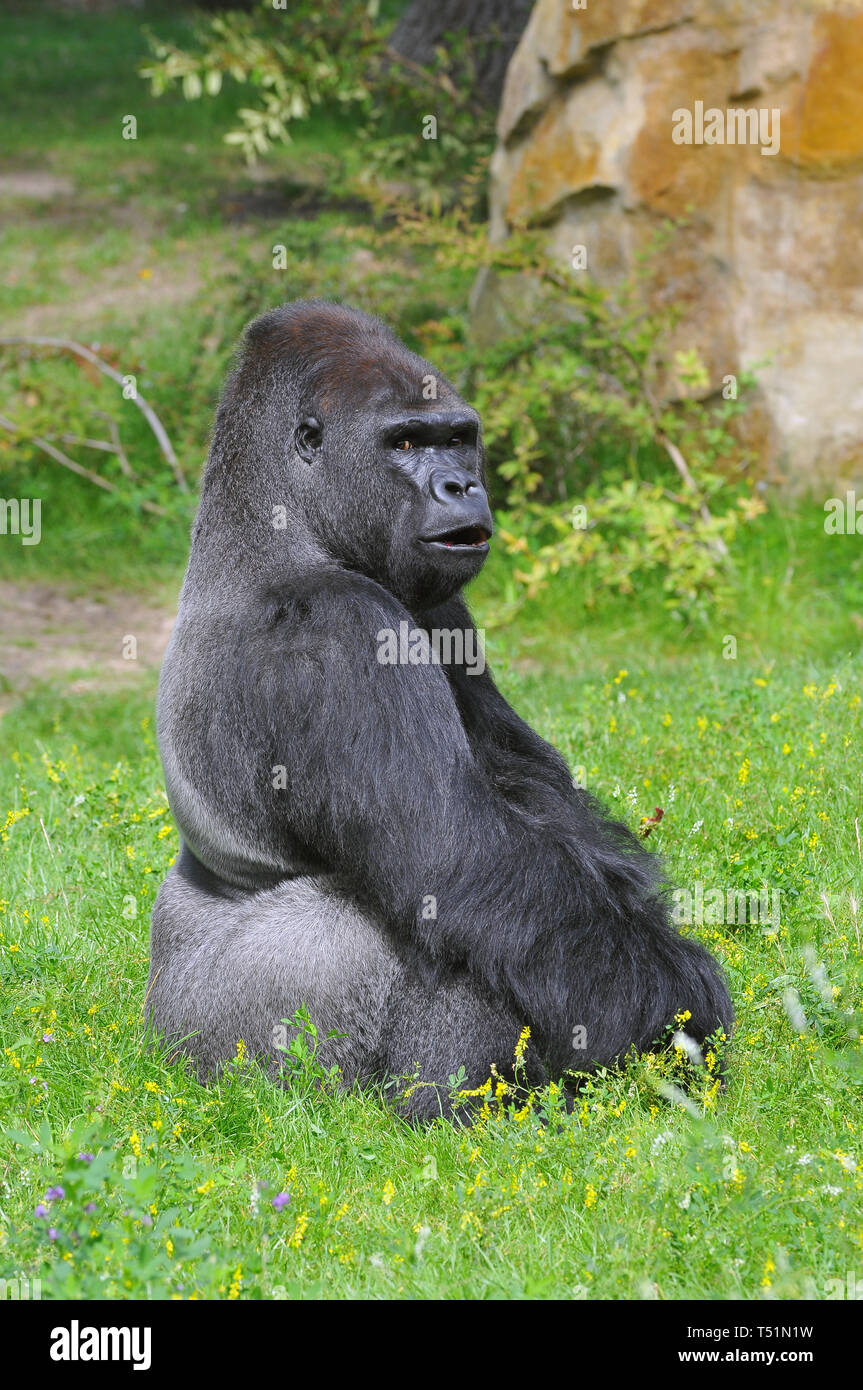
<point x="500" y="738"/>
<point x="551" y="907"/>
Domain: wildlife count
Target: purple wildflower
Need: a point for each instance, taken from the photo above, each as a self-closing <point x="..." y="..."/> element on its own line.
<point x="281" y="1200"/>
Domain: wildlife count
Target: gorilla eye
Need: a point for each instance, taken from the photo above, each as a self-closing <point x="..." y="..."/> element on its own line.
<point x="457" y="440"/>
<point x="403" y="445"/>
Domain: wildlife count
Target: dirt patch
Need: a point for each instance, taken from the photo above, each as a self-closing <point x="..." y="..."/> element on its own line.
<point x="35" y="184"/>
<point x="121" y="292"/>
<point x="292" y="202"/>
<point x="83" y="643"/>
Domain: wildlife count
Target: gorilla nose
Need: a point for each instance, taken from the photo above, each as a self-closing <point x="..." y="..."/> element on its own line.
<point x="462" y="507"/>
<point x="449" y="485"/>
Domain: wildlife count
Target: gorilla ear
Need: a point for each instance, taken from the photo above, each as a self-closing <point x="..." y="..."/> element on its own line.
<point x="308" y="437"/>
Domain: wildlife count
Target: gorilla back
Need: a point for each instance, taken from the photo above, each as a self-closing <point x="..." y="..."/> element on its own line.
<point x="379" y="837"/>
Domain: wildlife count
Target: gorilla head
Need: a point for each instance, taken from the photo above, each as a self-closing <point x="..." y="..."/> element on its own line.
<point x="324" y="391"/>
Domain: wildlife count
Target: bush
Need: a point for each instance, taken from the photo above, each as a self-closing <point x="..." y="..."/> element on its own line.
<point x="591" y="463"/>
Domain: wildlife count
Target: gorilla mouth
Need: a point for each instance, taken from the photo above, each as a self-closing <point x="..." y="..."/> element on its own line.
<point x="465" y="538"/>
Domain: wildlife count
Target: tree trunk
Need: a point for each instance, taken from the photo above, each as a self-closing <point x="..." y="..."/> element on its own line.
<point x="493" y="26"/>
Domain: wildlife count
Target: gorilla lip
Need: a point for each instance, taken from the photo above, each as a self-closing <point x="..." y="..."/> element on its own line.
<point x="464" y="538"/>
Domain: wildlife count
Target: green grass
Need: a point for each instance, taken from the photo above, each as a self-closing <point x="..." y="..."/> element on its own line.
<point x="757" y="761"/>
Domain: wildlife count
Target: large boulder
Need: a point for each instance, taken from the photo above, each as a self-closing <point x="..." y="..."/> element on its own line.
<point x="617" y="118"/>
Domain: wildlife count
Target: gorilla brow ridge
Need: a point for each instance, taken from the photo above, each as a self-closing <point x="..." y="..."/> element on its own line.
<point x="338" y="353"/>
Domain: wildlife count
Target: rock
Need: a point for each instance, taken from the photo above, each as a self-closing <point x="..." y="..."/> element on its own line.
<point x="762" y="260"/>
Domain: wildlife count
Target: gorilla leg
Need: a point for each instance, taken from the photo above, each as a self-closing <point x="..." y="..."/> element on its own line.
<point x="228" y="965"/>
<point x="435" y="1028"/>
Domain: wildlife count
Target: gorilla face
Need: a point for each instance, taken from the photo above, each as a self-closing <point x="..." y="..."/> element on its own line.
<point x="327" y="417"/>
<point x="416" y="517"/>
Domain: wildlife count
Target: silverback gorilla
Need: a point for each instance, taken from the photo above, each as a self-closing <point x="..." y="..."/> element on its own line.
<point x="386" y="842"/>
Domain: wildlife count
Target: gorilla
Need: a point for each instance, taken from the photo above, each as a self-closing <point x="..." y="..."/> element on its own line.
<point x="367" y="828"/>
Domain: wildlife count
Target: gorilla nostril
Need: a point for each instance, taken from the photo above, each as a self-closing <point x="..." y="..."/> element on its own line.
<point x="450" y="485"/>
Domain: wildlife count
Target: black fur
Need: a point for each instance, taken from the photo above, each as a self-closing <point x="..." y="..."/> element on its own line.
<point x="405" y="783"/>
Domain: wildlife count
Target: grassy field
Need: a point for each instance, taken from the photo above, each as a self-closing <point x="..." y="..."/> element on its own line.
<point x="757" y="764"/>
<point x="121" y="1177"/>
